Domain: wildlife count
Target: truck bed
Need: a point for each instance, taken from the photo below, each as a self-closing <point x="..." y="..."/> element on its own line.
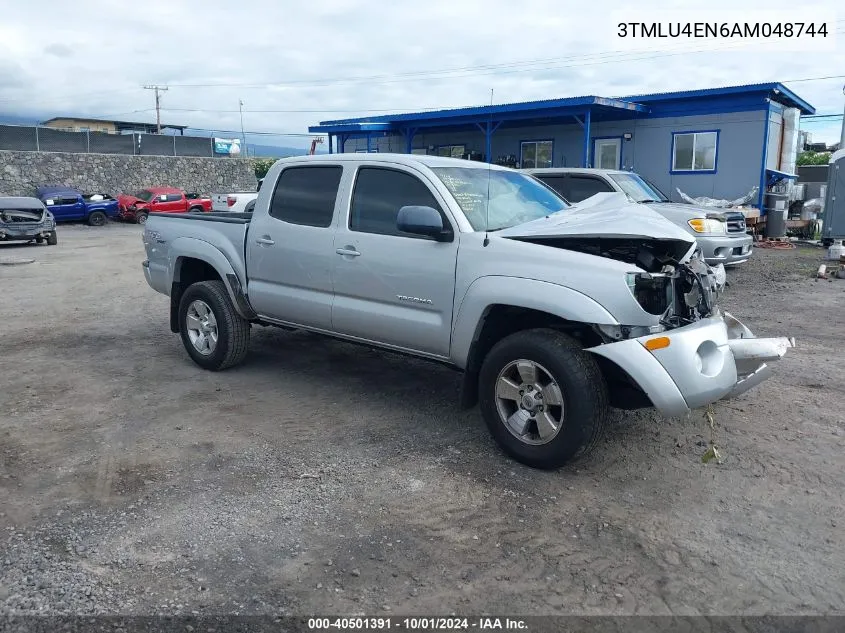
<point x="210" y="216"/>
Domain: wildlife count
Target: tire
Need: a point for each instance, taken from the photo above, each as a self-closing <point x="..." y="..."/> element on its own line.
<point x="141" y="218"/>
<point x="97" y="218"/>
<point x="231" y="329"/>
<point x="195" y="210"/>
<point x="52" y="239"/>
<point x="39" y="240"/>
<point x="563" y="372"/>
<point x="827" y="242"/>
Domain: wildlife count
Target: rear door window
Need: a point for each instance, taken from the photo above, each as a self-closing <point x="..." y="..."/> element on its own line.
<point x="307" y="195"/>
<point x="558" y="183"/>
<point x="582" y="187"/>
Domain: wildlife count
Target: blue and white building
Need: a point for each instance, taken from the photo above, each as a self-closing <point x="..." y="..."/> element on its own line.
<point x="717" y="142"/>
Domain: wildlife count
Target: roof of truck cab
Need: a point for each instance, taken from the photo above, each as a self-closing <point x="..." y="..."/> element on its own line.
<point x="551" y="171"/>
<point x="162" y="189"/>
<point x="52" y="190"/>
<point x="20" y="203"/>
<point x="400" y="159"/>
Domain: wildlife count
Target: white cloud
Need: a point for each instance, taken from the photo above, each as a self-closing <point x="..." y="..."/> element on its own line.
<point x="99" y="54"/>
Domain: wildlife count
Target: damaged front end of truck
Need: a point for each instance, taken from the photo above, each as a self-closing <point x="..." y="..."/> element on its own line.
<point x="691" y="353"/>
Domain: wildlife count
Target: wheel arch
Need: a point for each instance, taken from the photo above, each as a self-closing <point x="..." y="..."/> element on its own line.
<point x="495" y="307"/>
<point x="200" y="261"/>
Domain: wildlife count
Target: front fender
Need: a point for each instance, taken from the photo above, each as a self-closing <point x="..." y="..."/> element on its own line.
<point x="520" y="292"/>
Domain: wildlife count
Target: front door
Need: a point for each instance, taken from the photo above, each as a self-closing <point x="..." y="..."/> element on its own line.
<point x="391" y="287"/>
<point x="290" y="251"/>
<point x="607" y="153"/>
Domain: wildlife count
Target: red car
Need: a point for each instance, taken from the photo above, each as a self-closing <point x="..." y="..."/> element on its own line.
<point x="135" y="208"/>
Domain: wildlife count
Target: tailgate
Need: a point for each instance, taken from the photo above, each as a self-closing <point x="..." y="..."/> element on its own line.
<point x="218" y="202"/>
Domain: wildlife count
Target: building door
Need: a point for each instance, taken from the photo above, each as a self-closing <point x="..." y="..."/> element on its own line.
<point x="607" y="153"/>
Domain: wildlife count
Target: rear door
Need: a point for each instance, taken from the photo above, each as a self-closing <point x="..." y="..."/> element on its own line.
<point x="290" y="251"/>
<point x="389" y="287"/>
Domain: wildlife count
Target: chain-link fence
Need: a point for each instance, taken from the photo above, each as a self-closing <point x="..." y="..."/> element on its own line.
<point x="44" y="139"/>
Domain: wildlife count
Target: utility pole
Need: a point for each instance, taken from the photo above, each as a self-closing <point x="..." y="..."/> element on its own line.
<point x="842" y="133"/>
<point x="158" y="90"/>
<point x="243" y="136"/>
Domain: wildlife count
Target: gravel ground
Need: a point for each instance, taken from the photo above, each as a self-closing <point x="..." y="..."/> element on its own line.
<point x="320" y="477"/>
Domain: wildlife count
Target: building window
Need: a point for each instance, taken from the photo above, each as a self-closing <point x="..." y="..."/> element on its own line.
<point x="694" y="151"/>
<point x="452" y="151"/>
<point x="535" y="154"/>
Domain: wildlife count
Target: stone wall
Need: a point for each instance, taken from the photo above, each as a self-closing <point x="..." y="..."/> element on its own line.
<point x="21" y="172"/>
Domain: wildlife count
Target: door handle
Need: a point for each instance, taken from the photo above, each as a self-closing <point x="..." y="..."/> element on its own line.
<point x="264" y="240"/>
<point x="348" y="251"/>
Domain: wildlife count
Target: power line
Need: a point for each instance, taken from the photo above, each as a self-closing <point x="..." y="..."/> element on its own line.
<point x="489" y="69"/>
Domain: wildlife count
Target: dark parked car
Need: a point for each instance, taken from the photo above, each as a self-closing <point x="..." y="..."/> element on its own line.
<point x="26" y="220"/>
<point x="68" y="204"/>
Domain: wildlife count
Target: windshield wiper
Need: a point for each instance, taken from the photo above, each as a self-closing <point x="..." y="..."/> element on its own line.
<point x="646" y="201"/>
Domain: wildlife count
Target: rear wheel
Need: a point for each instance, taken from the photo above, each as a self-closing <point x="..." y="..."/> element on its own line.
<point x="52" y="239"/>
<point x="141" y="217"/>
<point x="213" y="333"/>
<point x="543" y="398"/>
<point x="97" y="218"/>
<point x="195" y="210"/>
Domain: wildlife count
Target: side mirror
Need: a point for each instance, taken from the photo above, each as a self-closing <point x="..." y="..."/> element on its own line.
<point x="426" y="221"/>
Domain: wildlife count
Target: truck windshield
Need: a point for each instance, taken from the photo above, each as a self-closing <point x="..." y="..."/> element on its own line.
<point x="638" y="188"/>
<point x="144" y="195"/>
<point x="513" y="197"/>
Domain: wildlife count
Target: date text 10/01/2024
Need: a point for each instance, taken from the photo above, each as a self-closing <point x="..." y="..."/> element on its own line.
<point x="417" y="624"/>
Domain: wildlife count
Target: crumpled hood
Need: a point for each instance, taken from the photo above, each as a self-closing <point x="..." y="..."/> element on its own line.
<point x="127" y="200"/>
<point x="604" y="215"/>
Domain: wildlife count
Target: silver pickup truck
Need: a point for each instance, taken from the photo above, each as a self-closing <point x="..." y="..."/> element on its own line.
<point x="552" y="312"/>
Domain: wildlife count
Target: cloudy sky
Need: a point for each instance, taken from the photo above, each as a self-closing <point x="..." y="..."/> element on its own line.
<point x="295" y="63"/>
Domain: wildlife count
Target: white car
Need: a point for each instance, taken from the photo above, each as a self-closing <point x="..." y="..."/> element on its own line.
<point x="235" y="202"/>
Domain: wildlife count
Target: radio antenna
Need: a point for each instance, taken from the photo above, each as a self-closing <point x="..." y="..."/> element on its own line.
<point x="489" y="170"/>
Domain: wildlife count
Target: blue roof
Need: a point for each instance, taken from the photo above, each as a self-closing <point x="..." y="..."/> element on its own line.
<point x="52" y="190"/>
<point x="569" y="106"/>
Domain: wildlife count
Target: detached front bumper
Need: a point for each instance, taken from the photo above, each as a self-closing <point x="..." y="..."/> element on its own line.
<point x="725" y="249"/>
<point x="689" y="367"/>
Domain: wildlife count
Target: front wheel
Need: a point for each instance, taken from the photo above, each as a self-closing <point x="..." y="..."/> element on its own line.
<point x="52" y="239"/>
<point x="97" y="218"/>
<point x="543" y="398"/>
<point x="141" y="217"/>
<point x="212" y="331"/>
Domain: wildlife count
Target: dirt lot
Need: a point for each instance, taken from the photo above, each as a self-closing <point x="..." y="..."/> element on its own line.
<point x="320" y="477"/>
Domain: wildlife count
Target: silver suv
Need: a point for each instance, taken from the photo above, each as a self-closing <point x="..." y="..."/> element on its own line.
<point x="720" y="233"/>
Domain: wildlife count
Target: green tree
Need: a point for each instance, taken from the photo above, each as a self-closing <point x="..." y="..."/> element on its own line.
<point x="813" y="158"/>
<point x="262" y="166"/>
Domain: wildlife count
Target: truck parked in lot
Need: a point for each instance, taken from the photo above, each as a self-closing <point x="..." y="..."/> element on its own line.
<point x="136" y="208"/>
<point x="720" y="233"/>
<point x="552" y="312"/>
<point x="68" y="205"/>
<point x="237" y="201"/>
